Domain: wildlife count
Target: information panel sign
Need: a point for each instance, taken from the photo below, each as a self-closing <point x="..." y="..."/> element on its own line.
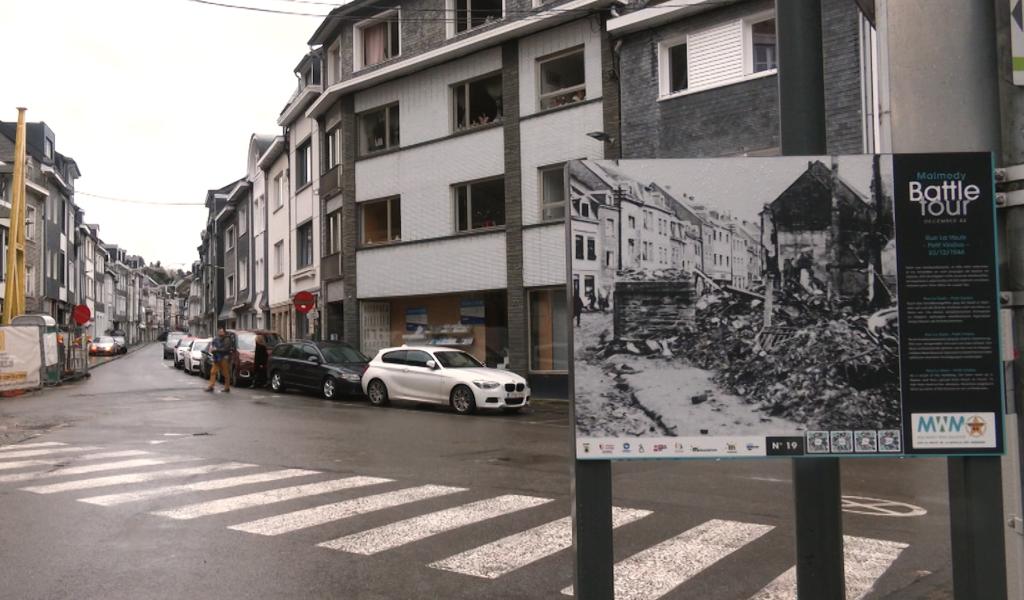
<point x="791" y="306"/>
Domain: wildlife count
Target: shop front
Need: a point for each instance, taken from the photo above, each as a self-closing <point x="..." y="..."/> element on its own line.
<point x="548" y="322"/>
<point x="476" y="322"/>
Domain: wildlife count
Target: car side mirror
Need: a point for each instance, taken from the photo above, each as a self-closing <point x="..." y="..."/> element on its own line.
<point x="431" y="365"/>
<point x="314" y="359"/>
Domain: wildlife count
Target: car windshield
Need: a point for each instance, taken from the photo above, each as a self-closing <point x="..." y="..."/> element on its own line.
<point x="339" y="353"/>
<point x="104" y="340"/>
<point x="457" y="360"/>
<point x="200" y="345"/>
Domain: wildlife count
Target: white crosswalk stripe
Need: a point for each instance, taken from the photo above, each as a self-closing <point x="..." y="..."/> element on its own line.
<point x="46" y="452"/>
<point x="516" y="551"/>
<point x="200" y="486"/>
<point x="85" y="469"/>
<point x="318" y="515"/>
<point x="95" y="482"/>
<point x="865" y="561"/>
<point x="404" y="532"/>
<point x="656" y="571"/>
<point x="216" y="507"/>
<point x="54" y="462"/>
<point x="30" y="445"/>
<point x="650" y="574"/>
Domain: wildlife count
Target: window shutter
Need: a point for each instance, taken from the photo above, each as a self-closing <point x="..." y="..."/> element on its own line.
<point x="715" y="54"/>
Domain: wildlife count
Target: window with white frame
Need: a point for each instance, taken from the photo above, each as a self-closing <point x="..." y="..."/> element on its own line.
<point x="257" y="214"/>
<point x="332" y="149"/>
<point x="30" y="221"/>
<point x="720" y="54"/>
<point x="279" y="257"/>
<point x="552" y="192"/>
<point x="762" y="46"/>
<point x="562" y="79"/>
<point x="229" y="285"/>
<point x="304" y="164"/>
<point x="243" y="274"/>
<point x="304" y="245"/>
<point x="243" y="219"/>
<point x="379" y="129"/>
<point x="468" y="14"/>
<point x="476" y="102"/>
<point x="377" y="39"/>
<point x="229" y="238"/>
<point x="279" y="191"/>
<point x="480" y="205"/>
<point x="381" y="220"/>
<point x="334" y="232"/>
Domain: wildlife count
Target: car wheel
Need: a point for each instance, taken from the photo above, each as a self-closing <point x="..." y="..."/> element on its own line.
<point x="275" y="382"/>
<point x="329" y="388"/>
<point x="462" y="400"/>
<point x="377" y="392"/>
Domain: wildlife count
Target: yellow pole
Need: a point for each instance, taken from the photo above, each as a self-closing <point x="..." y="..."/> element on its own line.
<point x="14" y="290"/>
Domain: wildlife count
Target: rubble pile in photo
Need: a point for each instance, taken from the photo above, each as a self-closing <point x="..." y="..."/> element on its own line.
<point x="819" y="363"/>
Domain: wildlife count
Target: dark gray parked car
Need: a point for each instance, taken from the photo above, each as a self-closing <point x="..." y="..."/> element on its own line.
<point x="330" y="368"/>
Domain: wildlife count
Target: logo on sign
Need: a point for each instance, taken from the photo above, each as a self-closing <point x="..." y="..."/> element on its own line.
<point x="940" y="423"/>
<point x="606" y="448"/>
<point x="953" y="430"/>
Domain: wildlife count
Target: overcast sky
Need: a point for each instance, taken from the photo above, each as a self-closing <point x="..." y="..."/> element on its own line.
<point x="155" y="100"/>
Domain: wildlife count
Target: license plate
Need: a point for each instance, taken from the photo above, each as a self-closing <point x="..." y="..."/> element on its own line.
<point x="515" y="396"/>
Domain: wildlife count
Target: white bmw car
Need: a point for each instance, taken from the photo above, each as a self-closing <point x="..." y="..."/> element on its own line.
<point x="442" y="376"/>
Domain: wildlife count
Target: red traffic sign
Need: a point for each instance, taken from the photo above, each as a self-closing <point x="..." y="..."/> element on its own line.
<point x="304" y="302"/>
<point x="81" y="314"/>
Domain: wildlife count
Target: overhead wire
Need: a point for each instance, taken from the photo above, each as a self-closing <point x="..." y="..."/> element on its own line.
<point x="134" y="201"/>
<point x="535" y="13"/>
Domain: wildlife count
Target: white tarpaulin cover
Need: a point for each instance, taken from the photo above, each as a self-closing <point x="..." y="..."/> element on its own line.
<point x="50" y="346"/>
<point x="19" y="358"/>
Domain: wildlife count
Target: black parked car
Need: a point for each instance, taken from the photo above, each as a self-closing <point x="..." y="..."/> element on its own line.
<point x="330" y="368"/>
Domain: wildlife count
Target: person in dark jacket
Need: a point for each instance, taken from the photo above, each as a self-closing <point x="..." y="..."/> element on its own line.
<point x="577" y="308"/>
<point x="223" y="349"/>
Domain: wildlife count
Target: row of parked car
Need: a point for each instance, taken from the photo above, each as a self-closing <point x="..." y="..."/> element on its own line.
<point x="430" y="374"/>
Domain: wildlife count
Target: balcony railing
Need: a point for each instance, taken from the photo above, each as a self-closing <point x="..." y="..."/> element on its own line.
<point x="330" y="182"/>
<point x="330" y="267"/>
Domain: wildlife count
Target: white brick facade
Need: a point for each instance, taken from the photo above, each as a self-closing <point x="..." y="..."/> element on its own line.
<point x="473" y="262"/>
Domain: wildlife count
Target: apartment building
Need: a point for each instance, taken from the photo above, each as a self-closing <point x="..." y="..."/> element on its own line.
<point x="260" y="304"/>
<point x="450" y="137"/>
<point x="274" y="164"/>
<point x="302" y="141"/>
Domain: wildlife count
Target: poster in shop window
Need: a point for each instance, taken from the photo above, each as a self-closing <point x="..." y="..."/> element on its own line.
<point x="788" y="306"/>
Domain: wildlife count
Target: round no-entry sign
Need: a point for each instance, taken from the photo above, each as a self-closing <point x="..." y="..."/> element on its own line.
<point x="81" y="314"/>
<point x="304" y="302"/>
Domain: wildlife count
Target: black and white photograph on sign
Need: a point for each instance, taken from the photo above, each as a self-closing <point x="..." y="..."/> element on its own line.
<point x="735" y="298"/>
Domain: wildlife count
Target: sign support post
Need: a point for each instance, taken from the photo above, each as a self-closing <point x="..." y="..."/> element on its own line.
<point x="816" y="482"/>
<point x="592" y="529"/>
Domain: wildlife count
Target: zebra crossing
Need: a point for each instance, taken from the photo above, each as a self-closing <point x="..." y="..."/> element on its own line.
<point x="168" y="487"/>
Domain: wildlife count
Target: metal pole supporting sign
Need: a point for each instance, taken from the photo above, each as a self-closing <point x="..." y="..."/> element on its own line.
<point x="816" y="485"/>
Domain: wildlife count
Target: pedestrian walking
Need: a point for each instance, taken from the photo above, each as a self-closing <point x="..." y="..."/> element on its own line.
<point x="222" y="348"/>
<point x="577" y="308"/>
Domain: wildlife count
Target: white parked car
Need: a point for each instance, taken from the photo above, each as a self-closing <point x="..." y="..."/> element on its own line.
<point x="194" y="355"/>
<point x="180" y="350"/>
<point x="442" y="376"/>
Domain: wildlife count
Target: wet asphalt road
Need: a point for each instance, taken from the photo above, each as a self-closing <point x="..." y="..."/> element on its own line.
<point x="140" y="410"/>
